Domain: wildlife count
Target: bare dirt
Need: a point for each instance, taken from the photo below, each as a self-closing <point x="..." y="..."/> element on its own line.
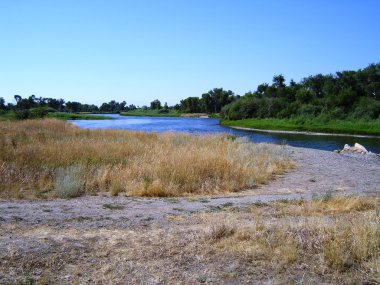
<point x="129" y="240"/>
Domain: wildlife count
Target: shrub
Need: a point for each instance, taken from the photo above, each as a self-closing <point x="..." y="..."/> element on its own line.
<point x="69" y="181"/>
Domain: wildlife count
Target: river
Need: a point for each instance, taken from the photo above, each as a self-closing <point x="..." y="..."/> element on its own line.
<point x="202" y="126"/>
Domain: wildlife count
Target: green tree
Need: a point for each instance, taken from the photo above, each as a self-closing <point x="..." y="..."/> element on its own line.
<point x="279" y="81"/>
<point x="2" y="103"/>
<point x="155" y="105"/>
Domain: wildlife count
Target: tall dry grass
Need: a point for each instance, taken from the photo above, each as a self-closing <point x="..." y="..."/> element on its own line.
<point x="40" y="157"/>
<point x="345" y="240"/>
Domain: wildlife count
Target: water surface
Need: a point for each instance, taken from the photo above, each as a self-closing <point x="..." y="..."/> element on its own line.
<point x="201" y="126"/>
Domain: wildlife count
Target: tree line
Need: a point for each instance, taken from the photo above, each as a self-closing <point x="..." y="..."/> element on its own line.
<point x="343" y="95"/>
<point x="38" y="106"/>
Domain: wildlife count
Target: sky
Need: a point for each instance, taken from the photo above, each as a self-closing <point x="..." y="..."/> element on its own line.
<point x="94" y="51"/>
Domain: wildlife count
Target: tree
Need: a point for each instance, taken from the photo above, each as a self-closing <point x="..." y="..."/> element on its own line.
<point x="191" y="105"/>
<point x="262" y="88"/>
<point x="57" y="104"/>
<point x="74" y="106"/>
<point x="304" y="96"/>
<point x="2" y="104"/>
<point x="279" y="81"/>
<point x="18" y="98"/>
<point x="155" y="105"/>
<point x="215" y="99"/>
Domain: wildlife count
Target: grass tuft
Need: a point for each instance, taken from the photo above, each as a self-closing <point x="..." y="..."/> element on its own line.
<point x="69" y="182"/>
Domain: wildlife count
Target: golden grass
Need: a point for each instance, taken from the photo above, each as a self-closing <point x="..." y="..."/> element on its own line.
<point x="37" y="156"/>
<point x="319" y="207"/>
<point x="345" y="240"/>
<point x="237" y="247"/>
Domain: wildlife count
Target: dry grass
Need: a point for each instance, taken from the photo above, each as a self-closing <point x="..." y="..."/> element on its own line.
<point x="238" y="247"/>
<point x="343" y="240"/>
<point x="36" y="153"/>
<point x="324" y="206"/>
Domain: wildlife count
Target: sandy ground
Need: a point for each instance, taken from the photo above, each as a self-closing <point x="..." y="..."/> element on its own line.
<point x="43" y="240"/>
<point x="303" y="133"/>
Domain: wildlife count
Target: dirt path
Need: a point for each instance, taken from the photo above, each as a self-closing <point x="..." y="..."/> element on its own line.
<point x="57" y="237"/>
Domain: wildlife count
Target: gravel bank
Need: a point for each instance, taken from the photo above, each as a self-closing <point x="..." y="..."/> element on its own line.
<point x="317" y="173"/>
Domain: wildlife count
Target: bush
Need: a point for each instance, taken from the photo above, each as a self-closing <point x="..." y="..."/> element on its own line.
<point x="367" y="109"/>
<point x="22" y="114"/>
<point x="40" y="112"/>
<point x="69" y="181"/>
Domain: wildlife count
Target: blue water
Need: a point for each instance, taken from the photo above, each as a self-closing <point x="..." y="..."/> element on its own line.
<point x="199" y="126"/>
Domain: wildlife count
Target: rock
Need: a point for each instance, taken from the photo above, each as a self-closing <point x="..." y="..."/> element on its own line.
<point x="357" y="148"/>
<point x="361" y="148"/>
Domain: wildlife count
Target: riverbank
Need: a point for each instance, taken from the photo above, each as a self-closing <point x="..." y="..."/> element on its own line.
<point x="151" y="113"/>
<point x="303" y="227"/>
<point x="75" y="116"/>
<point x="344" y="128"/>
<point x="303" y="133"/>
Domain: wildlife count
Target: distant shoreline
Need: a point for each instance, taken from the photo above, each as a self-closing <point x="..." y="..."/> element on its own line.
<point x="303" y="133"/>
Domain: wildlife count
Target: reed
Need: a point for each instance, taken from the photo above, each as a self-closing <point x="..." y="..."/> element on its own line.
<point x="39" y="155"/>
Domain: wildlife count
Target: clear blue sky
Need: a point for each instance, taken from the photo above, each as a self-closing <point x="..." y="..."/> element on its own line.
<point x="94" y="51"/>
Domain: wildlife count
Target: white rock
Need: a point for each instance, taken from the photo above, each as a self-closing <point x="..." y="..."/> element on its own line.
<point x="346" y="147"/>
<point x="360" y="148"/>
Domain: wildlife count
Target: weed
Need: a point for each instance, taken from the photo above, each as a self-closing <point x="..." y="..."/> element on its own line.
<point x="204" y="200"/>
<point x="27" y="281"/>
<point x="327" y="196"/>
<point x="221" y="231"/>
<point x="259" y="204"/>
<point x="147" y="182"/>
<point x="113" y="207"/>
<point x="69" y="181"/>
<point x="173" y="200"/>
<point x="179" y="209"/>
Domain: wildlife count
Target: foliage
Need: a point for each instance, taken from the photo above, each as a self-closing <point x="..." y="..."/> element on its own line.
<point x="33" y="107"/>
<point x="345" y="95"/>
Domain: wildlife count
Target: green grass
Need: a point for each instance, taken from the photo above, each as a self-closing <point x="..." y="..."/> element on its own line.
<point x="310" y="125"/>
<point x="72" y="116"/>
<point x="151" y="113"/>
<point x="4" y="116"/>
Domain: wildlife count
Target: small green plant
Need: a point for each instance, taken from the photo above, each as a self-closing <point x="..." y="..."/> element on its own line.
<point x="173" y="200"/>
<point x="259" y="204"/>
<point x="27" y="281"/>
<point x="113" y="207"/>
<point x="69" y="182"/>
<point x="204" y="200"/>
<point x="147" y="182"/>
<point x="327" y="196"/>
